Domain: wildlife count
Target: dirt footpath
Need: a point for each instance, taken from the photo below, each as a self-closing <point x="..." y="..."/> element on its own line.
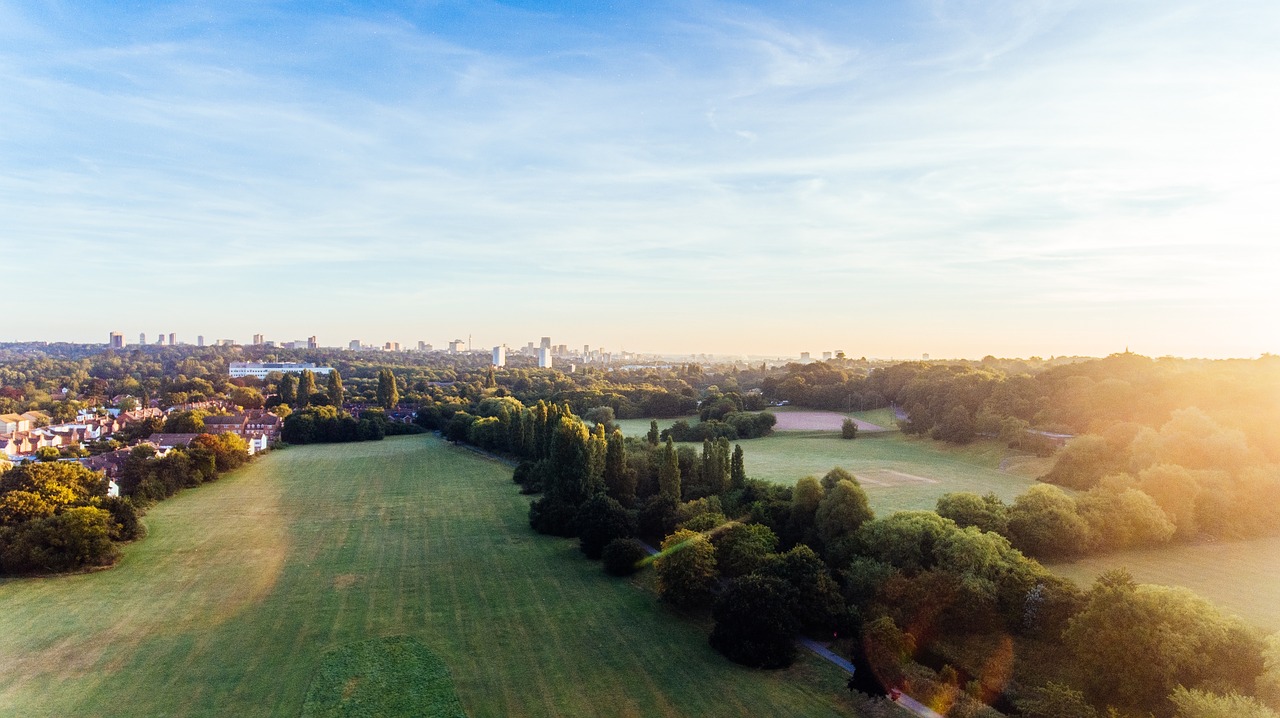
<point x="817" y="421"/>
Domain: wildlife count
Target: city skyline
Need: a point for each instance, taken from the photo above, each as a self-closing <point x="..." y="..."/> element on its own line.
<point x="1012" y="179"/>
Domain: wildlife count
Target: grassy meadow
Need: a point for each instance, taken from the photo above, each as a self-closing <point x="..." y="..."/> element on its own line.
<point x="1239" y="576"/>
<point x="899" y="472"/>
<point x="252" y="596"/>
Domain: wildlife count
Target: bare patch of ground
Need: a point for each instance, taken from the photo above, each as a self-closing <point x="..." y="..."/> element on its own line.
<point x="818" y="421"/>
<point x="889" y="477"/>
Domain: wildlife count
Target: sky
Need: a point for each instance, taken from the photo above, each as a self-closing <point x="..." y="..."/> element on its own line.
<point x="960" y="179"/>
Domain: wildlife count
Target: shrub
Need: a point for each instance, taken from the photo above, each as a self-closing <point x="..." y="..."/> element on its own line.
<point x="622" y="556"/>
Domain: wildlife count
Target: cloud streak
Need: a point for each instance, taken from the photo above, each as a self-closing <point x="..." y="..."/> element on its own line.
<point x="803" y="170"/>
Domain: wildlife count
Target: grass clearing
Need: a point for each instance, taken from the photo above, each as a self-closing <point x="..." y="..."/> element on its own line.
<point x="898" y="472"/>
<point x="1238" y="576"/>
<point x="245" y="586"/>
<point x="394" y="676"/>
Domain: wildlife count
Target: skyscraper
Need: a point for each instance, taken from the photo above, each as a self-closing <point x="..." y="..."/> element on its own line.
<point x="142" y="338"/>
<point x="544" y="357"/>
<point x="500" y="356"/>
<point x="117" y="340"/>
<point x="257" y="339"/>
<point x="200" y="340"/>
<point x="311" y="343"/>
<point x="173" y="339"/>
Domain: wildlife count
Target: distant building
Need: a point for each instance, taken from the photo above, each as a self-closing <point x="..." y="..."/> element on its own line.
<point x="261" y="369"/>
<point x="257" y="340"/>
<point x="424" y="347"/>
<point x="545" y="343"/>
<point x="926" y="357"/>
<point x="200" y="340"/>
<point x="804" y="356"/>
<point x="117" y="340"/>
<point x="354" y="345"/>
<point x="312" y="343"/>
<point x="455" y="346"/>
<point x="391" y="347"/>
<point x="225" y="343"/>
<point x="142" y="338"/>
<point x="500" y="356"/>
<point x="826" y="356"/>
<point x="173" y="339"/>
<point x="544" y="357"/>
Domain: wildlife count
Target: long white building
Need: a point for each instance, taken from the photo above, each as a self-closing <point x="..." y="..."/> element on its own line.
<point x="261" y="369"/>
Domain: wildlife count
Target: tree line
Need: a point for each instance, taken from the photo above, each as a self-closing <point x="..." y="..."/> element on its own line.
<point x="773" y="562"/>
<point x="57" y="517"/>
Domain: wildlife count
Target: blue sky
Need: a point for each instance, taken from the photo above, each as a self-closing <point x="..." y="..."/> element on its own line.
<point x="957" y="178"/>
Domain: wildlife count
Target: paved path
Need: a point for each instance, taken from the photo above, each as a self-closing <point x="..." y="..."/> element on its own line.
<point x="903" y="700"/>
<point x="826" y="653"/>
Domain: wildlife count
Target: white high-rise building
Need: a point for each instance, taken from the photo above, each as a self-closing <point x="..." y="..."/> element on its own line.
<point x="544" y="357"/>
<point x="117" y="340"/>
<point x="500" y="356"/>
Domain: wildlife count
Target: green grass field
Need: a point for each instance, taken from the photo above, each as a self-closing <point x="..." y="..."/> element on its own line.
<point x="1239" y="576"/>
<point x="899" y="472"/>
<point x="244" y="587"/>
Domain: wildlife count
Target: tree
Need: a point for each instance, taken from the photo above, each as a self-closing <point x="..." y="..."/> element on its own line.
<point x="623" y="556"/>
<point x="1055" y="700"/>
<point x="1044" y="522"/>
<point x="1083" y="462"/>
<point x="1202" y="704"/>
<point x="1268" y="687"/>
<point x="246" y="397"/>
<point x="742" y="548"/>
<point x="754" y="624"/>
<point x="1181" y="638"/>
<point x="388" y="393"/>
<point x="652" y="436"/>
<point x="805" y="499"/>
<point x="841" y="513"/>
<point x="36" y="490"/>
<point x="286" y="389"/>
<point x="185" y="422"/>
<point x="988" y="513"/>
<point x="849" y="429"/>
<point x="334" y="388"/>
<point x="74" y="538"/>
<point x="619" y="482"/>
<point x="1121" y="517"/>
<point x="686" y="568"/>
<point x="835" y="476"/>
<point x="568" y="478"/>
<point x="601" y="520"/>
<point x="816" y="602"/>
<point x="669" y="471"/>
<point x="306" y="387"/>
<point x="737" y="469"/>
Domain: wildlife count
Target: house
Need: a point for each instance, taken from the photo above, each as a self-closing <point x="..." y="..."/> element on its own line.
<point x="37" y="418"/>
<point x="14" y="423"/>
<point x="110" y="463"/>
<point x="170" y="441"/>
<point x="222" y="424"/>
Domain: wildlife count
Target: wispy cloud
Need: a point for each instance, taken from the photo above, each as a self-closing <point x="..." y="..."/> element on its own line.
<point x="1042" y="156"/>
